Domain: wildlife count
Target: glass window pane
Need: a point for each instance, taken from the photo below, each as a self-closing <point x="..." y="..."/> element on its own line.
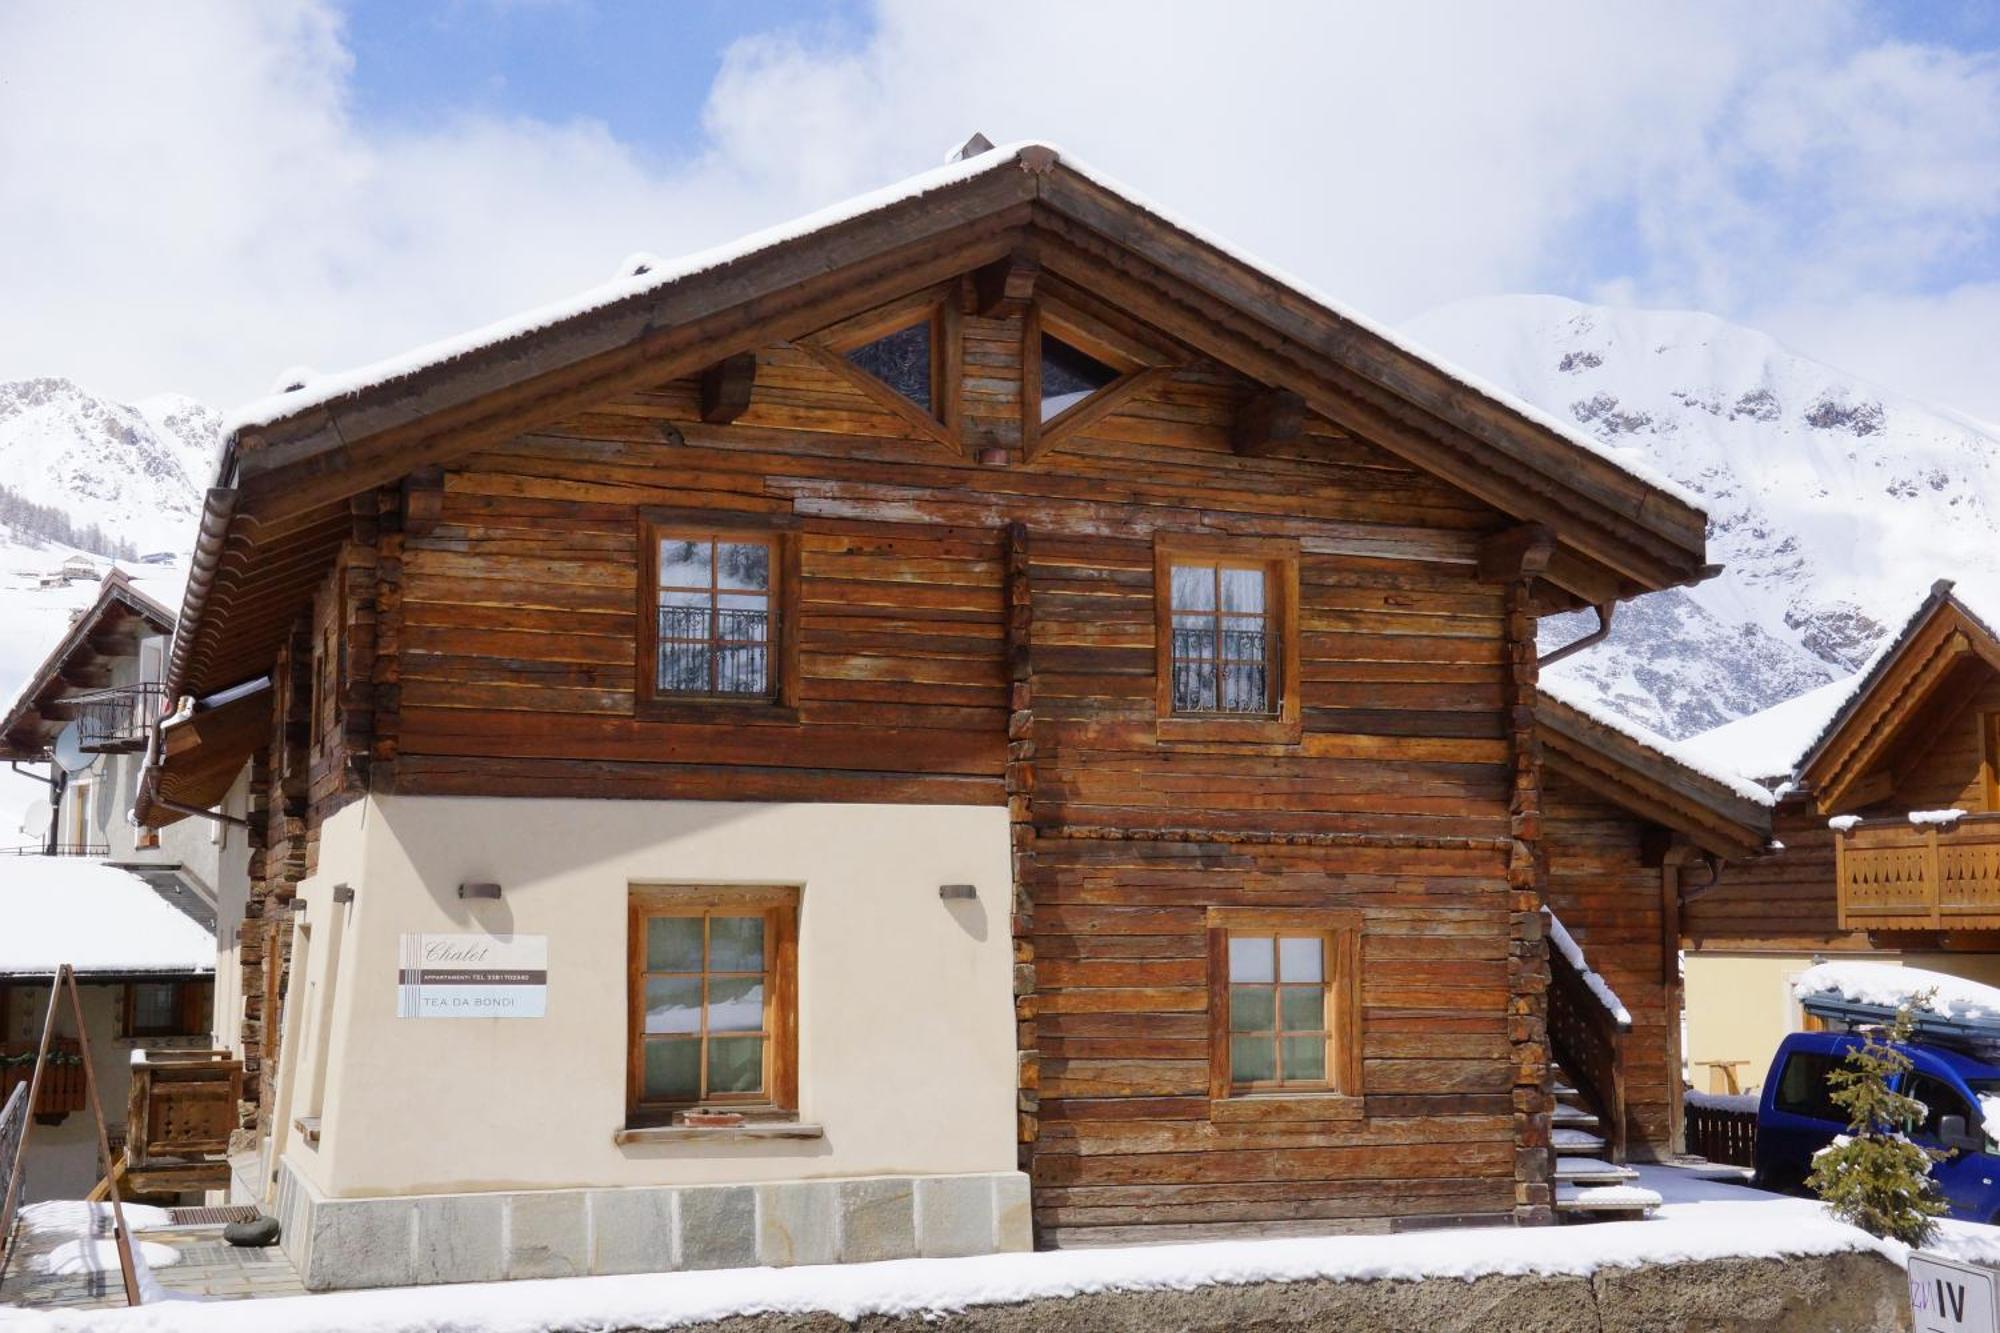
<point x="1252" y="1059"/>
<point x="1243" y="638"/>
<point x="673" y="1004"/>
<point x="736" y="1004"/>
<point x="1193" y="587"/>
<point x="685" y="564"/>
<point x="1300" y="958"/>
<point x="743" y="565"/>
<point x="673" y="1070"/>
<point x="735" y="1064"/>
<point x="1243" y="590"/>
<point x="673" y="944"/>
<point x="1250" y="958"/>
<point x="736" y="944"/>
<point x="1303" y="1008"/>
<point x="1305" y="1059"/>
<point x="153" y="1006"/>
<point x="1252" y="1009"/>
<point x="1069" y="375"/>
<point x="902" y="360"/>
<point x="742" y="617"/>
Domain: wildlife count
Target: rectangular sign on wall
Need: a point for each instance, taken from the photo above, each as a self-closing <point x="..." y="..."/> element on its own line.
<point x="472" y="976"/>
<point x="1947" y="1296"/>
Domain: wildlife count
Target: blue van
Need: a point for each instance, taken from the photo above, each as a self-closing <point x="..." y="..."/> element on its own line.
<point x="1796" y="1117"/>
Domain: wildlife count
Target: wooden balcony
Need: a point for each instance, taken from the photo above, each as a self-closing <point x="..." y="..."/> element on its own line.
<point x="62" y="1091"/>
<point x="183" y="1107"/>
<point x="1894" y="875"/>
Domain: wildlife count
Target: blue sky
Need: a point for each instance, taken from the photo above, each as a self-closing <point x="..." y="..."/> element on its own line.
<point x="310" y="182"/>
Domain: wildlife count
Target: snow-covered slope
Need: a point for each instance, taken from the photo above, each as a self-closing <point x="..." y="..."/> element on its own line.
<point x="1832" y="504"/>
<point x="135" y="471"/>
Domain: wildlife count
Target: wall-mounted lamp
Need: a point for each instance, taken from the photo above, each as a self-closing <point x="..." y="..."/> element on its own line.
<point x="949" y="892"/>
<point x="343" y="893"/>
<point x="479" y="890"/>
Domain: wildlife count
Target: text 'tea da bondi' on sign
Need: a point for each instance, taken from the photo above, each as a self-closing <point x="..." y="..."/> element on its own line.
<point x="472" y="976"/>
<point x="1947" y="1296"/>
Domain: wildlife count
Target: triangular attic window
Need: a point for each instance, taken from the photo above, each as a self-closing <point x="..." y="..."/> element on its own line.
<point x="1069" y="375"/>
<point x="901" y="360"/>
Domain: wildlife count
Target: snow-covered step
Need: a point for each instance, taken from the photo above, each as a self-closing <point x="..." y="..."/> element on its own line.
<point x="1576" y="1141"/>
<point x="1591" y="1171"/>
<point x="1573" y="1116"/>
<point x="1605" y="1200"/>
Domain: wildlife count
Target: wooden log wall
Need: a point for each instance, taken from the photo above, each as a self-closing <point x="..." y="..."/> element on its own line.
<point x="1609" y="897"/>
<point x="1783" y="903"/>
<point x="985" y="634"/>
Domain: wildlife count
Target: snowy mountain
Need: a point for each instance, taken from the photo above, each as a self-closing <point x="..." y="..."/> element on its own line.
<point x="1833" y="504"/>
<point x="134" y="471"/>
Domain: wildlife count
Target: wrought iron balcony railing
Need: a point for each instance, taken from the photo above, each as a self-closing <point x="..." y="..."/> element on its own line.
<point x="118" y="720"/>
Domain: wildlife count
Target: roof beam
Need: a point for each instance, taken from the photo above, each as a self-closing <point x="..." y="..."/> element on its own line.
<point x="1270" y="421"/>
<point x="725" y="388"/>
<point x="1519" y="552"/>
<point x="1005" y="286"/>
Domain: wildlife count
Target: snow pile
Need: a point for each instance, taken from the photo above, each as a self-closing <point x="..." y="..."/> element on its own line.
<point x="73" y="1258"/>
<point x="1891" y="987"/>
<point x="67" y="910"/>
<point x="1923" y="817"/>
<point x="1584" y="700"/>
<point x="1844" y="823"/>
<point x="1833" y="504"/>
<point x="1566" y="944"/>
<point x="1768" y="745"/>
<point x="74" y="1215"/>
<point x="1698" y="1220"/>
<point x="1989" y="1115"/>
<point x="1722" y="1101"/>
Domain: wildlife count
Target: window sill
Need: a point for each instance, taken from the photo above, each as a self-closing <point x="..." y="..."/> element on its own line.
<point x="1266" y="1107"/>
<point x="1261" y="730"/>
<point x="706" y="709"/>
<point x="308" y="1128"/>
<point x="751" y="1132"/>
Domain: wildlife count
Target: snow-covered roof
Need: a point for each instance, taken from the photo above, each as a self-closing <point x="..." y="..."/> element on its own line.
<point x="1891" y="986"/>
<point x="1768" y="745"/>
<point x="644" y="273"/>
<point x="1579" y="696"/>
<point x="94" y="917"/>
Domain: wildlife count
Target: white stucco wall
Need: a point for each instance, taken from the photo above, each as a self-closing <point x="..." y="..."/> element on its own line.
<point x="906" y="1039"/>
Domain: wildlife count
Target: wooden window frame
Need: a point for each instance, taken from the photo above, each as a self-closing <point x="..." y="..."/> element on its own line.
<point x="1340" y="1096"/>
<point x="189" y="1020"/>
<point x="780" y="703"/>
<point x="940" y="305"/>
<point x="1140" y="365"/>
<point x="1279" y="559"/>
<point x="780" y="908"/>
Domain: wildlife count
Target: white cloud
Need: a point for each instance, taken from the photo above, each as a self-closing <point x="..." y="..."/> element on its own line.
<point x="189" y="202"/>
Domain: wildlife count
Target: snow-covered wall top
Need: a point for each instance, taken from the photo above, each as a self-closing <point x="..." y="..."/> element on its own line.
<point x="1833" y="504"/>
<point x="298" y="390"/>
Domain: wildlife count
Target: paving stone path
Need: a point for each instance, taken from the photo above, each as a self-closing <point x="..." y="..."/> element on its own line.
<point x="208" y="1268"/>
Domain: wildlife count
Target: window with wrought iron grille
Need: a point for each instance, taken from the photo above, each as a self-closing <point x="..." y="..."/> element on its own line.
<point x="715" y="623"/>
<point x="1227" y="627"/>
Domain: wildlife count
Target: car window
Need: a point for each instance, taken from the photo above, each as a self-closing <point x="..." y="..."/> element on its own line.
<point x="1802" y="1087"/>
<point x="1940" y="1099"/>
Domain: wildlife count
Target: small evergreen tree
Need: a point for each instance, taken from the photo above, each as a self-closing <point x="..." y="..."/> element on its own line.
<point x="1873" y="1176"/>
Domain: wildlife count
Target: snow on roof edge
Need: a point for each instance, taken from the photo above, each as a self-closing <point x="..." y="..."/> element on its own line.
<point x="1571" y="695"/>
<point x="321" y="391"/>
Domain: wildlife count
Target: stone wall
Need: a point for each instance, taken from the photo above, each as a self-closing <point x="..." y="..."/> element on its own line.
<point x="1844" y="1293"/>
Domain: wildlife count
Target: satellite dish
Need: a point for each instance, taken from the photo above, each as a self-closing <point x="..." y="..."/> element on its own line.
<point x="68" y="748"/>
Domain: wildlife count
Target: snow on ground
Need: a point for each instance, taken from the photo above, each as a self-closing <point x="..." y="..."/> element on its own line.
<point x="1890" y="986"/>
<point x="73" y="1258"/>
<point x="1699" y="1220"/>
<point x="52" y="1215"/>
<point x="62" y="909"/>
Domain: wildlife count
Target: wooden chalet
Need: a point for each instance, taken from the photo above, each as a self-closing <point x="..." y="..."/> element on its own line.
<point x="1074" y="690"/>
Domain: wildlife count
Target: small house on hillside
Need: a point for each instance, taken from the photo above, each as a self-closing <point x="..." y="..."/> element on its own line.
<point x="981" y="717"/>
<point x="1888" y="813"/>
<point x="146" y="978"/>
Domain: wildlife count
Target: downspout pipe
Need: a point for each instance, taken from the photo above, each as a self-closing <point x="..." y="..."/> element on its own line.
<point x="1599" y="635"/>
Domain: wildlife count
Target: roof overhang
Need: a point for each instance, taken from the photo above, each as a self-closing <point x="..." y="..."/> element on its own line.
<point x="105" y="630"/>
<point x="1926" y="675"/>
<point x="200" y="755"/>
<point x="281" y="507"/>
<point x="1649" y="784"/>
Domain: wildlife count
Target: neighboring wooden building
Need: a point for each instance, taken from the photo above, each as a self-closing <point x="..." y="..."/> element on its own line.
<point x="1914" y="733"/>
<point x="1070" y="694"/>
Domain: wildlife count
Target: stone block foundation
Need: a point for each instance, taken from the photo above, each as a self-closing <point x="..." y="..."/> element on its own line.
<point x="396" y="1241"/>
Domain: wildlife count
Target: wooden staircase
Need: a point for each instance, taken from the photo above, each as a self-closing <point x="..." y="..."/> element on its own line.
<point x="1587" y="1131"/>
